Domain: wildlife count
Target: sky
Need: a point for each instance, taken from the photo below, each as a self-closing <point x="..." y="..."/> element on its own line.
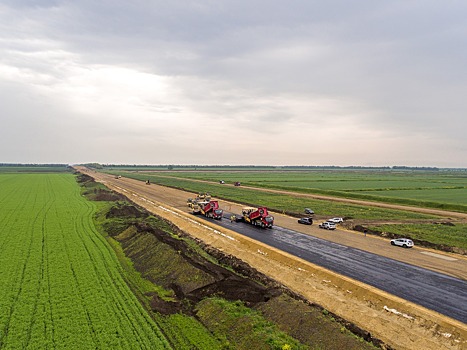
<point x="214" y="82"/>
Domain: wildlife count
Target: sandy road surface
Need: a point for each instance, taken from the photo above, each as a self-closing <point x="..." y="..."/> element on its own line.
<point x="401" y="324"/>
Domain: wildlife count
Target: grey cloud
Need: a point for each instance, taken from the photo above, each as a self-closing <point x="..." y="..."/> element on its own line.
<point x="392" y="68"/>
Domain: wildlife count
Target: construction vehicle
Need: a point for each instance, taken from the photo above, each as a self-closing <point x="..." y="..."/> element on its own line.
<point x="203" y="196"/>
<point x="257" y="217"/>
<point x="199" y="198"/>
<point x="209" y="208"/>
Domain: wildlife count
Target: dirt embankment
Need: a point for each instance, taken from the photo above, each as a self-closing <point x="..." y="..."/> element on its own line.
<point x="171" y="263"/>
<point x="396" y="322"/>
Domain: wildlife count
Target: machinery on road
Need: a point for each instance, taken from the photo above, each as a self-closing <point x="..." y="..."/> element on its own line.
<point x="207" y="208"/>
<point x="203" y="196"/>
<point x="256" y="217"/>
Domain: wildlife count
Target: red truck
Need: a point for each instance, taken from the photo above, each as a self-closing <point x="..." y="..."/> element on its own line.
<point x="209" y="209"/>
<point x="257" y="217"/>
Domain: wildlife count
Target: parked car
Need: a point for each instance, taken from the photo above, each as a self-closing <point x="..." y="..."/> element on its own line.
<point x="305" y="221"/>
<point x="309" y="211"/>
<point x="336" y="220"/>
<point x="402" y="242"/>
<point x="327" y="225"/>
<point x="222" y="182"/>
<point x="237" y="183"/>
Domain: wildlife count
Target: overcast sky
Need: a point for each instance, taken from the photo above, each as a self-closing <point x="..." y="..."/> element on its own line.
<point x="260" y="82"/>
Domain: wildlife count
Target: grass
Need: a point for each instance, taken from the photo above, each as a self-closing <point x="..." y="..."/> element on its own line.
<point x="61" y="283"/>
<point x="186" y="332"/>
<point x="441" y="234"/>
<point x="16" y="168"/>
<point x="243" y="326"/>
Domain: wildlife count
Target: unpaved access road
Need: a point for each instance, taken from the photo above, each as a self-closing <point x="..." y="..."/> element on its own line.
<point x="401" y="324"/>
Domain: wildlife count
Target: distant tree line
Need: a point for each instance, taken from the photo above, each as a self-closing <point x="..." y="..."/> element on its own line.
<point x="93" y="165"/>
<point x="415" y="168"/>
<point x="33" y="165"/>
<point x="261" y="167"/>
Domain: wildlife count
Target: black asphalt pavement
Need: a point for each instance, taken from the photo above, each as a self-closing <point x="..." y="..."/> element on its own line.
<point x="444" y="294"/>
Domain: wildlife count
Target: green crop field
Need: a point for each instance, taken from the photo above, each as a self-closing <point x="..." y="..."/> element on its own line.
<point x="61" y="285"/>
<point x="16" y="168"/>
<point x="443" y="189"/>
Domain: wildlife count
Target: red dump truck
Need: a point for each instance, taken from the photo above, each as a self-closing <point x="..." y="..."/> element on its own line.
<point x="209" y="209"/>
<point x="257" y="217"/>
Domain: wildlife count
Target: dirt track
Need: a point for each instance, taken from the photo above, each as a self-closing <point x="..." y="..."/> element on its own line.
<point x="401" y="324"/>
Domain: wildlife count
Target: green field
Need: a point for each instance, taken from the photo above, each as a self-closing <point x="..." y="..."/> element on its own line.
<point x="424" y="187"/>
<point x="48" y="168"/>
<point x="61" y="284"/>
<point x="454" y="236"/>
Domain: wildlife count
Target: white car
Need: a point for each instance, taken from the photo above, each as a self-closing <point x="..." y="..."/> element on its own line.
<point x="327" y="225"/>
<point x="336" y="220"/>
<point x="402" y="242"/>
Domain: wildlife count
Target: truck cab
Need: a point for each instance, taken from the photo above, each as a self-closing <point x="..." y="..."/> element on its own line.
<point x="257" y="216"/>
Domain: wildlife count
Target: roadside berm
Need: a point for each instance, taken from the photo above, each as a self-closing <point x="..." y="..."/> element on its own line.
<point x="396" y="322"/>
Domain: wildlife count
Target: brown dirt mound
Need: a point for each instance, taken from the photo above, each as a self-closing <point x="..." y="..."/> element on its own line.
<point x="234" y="288"/>
<point x="224" y="282"/>
<point x="127" y="211"/>
<point x="106" y="196"/>
<point x="165" y="307"/>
